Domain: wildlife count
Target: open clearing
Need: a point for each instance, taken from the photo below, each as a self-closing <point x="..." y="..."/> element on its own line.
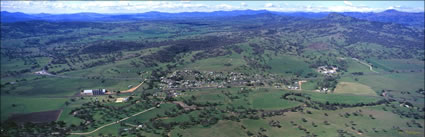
<point x="354" y="88"/>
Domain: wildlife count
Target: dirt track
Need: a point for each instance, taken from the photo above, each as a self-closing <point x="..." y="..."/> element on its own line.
<point x="364" y="63"/>
<point x="133" y="89"/>
<point x="86" y="133"/>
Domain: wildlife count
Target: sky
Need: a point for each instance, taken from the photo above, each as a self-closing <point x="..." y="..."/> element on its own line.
<point x="116" y="7"/>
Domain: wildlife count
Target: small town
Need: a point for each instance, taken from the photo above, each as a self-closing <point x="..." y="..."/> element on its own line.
<point x="182" y="79"/>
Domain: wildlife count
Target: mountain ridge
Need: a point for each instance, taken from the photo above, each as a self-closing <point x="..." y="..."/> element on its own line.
<point x="392" y="16"/>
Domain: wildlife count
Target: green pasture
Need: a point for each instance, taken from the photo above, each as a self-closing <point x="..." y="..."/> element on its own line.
<point x="218" y="63"/>
<point x="286" y="63"/>
<point x="221" y="129"/>
<point x="270" y="101"/>
<point x="398" y="64"/>
<point x="390" y="81"/>
<point x="341" y="98"/>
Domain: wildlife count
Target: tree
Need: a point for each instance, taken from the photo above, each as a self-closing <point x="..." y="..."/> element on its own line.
<point x="326" y="122"/>
<point x="309" y="112"/>
<point x="249" y="133"/>
<point x="313" y="124"/>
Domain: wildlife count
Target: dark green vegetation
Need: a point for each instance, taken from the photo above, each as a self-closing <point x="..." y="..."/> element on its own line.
<point x="239" y="77"/>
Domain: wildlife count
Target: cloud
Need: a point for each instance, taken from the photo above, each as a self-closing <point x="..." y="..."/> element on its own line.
<point x="394" y="7"/>
<point x="184" y="6"/>
<point x="225" y="7"/>
<point x="269" y="5"/>
<point x="405" y="8"/>
<point x="104" y="6"/>
<point x="243" y="4"/>
<point x="348" y="3"/>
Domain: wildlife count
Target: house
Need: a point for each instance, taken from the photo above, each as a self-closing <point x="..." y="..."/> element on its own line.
<point x="173" y="93"/>
<point x="324" y="90"/>
<point x="94" y="92"/>
<point x="292" y="87"/>
<point x="42" y="72"/>
<point x="327" y="69"/>
<point x="119" y="100"/>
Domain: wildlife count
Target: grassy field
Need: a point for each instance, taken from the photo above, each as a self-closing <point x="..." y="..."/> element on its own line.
<point x="354" y="88"/>
<point x="270" y="101"/>
<point x="341" y="98"/>
<point x="394" y="81"/>
<point x="54" y="86"/>
<point x="218" y="63"/>
<point x="285" y="63"/>
<point x="360" y="125"/>
<point x="355" y="66"/>
<point x="14" y="64"/>
<point x="141" y="118"/>
<point x="221" y="129"/>
<point x="398" y="64"/>
<point x="309" y="85"/>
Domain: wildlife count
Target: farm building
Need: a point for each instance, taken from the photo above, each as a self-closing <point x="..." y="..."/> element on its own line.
<point x="42" y="72"/>
<point x="119" y="100"/>
<point x="94" y="91"/>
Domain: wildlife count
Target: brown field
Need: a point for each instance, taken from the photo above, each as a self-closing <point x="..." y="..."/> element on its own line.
<point x="36" y="117"/>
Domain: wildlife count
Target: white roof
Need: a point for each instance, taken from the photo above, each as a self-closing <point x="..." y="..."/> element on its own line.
<point x="118" y="100"/>
<point x="88" y="91"/>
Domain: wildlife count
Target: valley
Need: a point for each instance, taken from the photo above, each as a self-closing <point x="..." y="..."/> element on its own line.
<point x="257" y="74"/>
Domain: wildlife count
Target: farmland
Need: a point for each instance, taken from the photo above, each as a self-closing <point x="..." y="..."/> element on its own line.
<point x="354" y="88"/>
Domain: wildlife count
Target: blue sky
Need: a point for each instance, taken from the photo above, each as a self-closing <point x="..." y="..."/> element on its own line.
<point x="206" y="6"/>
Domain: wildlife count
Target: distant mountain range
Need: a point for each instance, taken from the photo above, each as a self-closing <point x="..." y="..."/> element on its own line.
<point x="392" y="16"/>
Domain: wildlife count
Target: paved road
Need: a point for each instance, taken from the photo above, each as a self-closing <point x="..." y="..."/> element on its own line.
<point x="86" y="133"/>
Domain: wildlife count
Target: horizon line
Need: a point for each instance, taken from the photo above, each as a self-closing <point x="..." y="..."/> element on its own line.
<point x="216" y="11"/>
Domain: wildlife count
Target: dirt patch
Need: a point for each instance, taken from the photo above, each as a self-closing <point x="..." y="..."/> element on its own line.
<point x="318" y="46"/>
<point x="36" y="117"/>
<point x="162" y="118"/>
<point x="185" y="106"/>
<point x="300" y="83"/>
<point x="132" y="89"/>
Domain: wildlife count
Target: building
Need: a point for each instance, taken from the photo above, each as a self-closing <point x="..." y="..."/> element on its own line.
<point x="42" y="72"/>
<point x="94" y="92"/>
<point x="327" y="70"/>
<point x="120" y="100"/>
